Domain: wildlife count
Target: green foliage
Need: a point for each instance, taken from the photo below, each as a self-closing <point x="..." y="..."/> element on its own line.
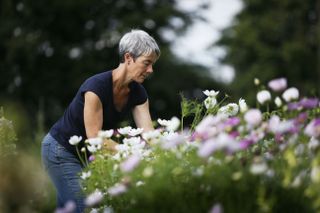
<point x="23" y="180"/>
<point x="7" y="137"/>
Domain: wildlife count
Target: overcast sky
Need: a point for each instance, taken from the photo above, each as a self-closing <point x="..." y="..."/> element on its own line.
<point x="195" y="45"/>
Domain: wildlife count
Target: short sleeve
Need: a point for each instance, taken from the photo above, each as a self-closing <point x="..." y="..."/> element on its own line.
<point x="95" y="86"/>
<point x="140" y="95"/>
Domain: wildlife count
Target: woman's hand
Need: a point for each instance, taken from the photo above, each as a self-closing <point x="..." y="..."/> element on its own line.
<point x="110" y="145"/>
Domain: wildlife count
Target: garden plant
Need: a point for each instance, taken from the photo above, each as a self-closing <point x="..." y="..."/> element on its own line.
<point x="230" y="158"/>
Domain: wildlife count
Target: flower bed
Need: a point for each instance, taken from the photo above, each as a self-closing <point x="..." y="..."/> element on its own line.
<point x="232" y="158"/>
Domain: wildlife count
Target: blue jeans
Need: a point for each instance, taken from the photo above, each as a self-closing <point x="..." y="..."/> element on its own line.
<point x="63" y="168"/>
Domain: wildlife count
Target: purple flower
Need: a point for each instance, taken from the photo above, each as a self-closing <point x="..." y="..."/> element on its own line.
<point x="278" y="137"/>
<point x="233" y="121"/>
<point x="302" y="117"/>
<point x="309" y="103"/>
<point x="234" y="134"/>
<point x="294" y="106"/>
<point x="245" y="143"/>
<point x="92" y="158"/>
<point x="278" y="84"/>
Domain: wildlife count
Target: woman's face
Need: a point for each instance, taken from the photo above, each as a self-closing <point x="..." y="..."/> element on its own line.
<point x="142" y="67"/>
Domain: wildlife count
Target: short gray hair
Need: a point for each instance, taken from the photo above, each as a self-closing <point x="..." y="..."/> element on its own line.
<point x="137" y="43"/>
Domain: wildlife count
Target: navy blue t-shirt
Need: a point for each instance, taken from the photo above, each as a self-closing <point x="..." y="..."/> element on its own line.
<point x="72" y="121"/>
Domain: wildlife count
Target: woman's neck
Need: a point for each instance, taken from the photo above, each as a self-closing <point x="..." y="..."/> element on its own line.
<point x="120" y="78"/>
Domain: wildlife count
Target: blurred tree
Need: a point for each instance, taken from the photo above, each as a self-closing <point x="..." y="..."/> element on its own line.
<point x="48" y="48"/>
<point x="275" y="39"/>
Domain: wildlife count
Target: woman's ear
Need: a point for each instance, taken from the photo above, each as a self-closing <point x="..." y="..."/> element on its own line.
<point x="127" y="58"/>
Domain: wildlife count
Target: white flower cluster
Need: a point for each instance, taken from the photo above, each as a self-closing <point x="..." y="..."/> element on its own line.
<point x="278" y="85"/>
<point x="131" y="146"/>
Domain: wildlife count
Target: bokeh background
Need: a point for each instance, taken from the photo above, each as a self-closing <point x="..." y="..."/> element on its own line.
<point x="48" y="48"/>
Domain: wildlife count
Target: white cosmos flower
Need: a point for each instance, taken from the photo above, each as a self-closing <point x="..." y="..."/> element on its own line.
<point x="134" y="132"/>
<point x="94" y="198"/>
<point x="132" y="141"/>
<point x="313" y="143"/>
<point x="74" y="140"/>
<point x="140" y="183"/>
<point x="125" y="130"/>
<point x="162" y="122"/>
<point x="171" y="125"/>
<point x="93" y="148"/>
<point x="151" y="135"/>
<point x="229" y="110"/>
<point x="263" y="96"/>
<point x="258" y="168"/>
<point x="85" y="175"/>
<point x="210" y="102"/>
<point x="106" y="133"/>
<point x="290" y="94"/>
<point x="243" y="105"/>
<point x="94" y="141"/>
<point x="278" y="101"/>
<point x="211" y="93"/>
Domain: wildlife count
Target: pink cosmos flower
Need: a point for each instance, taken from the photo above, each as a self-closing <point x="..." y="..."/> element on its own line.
<point x="278" y="84"/>
<point x="130" y="163"/>
<point x="94" y="198"/>
<point x="221" y="142"/>
<point x="217" y="208"/>
<point x="207" y="148"/>
<point x="117" y="189"/>
<point x="313" y="128"/>
<point x="253" y="117"/>
<point x="172" y="140"/>
<point x="244" y="144"/>
<point x="69" y="207"/>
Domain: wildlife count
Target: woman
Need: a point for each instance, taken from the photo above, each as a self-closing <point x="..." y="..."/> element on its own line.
<point x="101" y="102"/>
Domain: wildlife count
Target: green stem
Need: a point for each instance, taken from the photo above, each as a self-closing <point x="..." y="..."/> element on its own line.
<point x="80" y="156"/>
<point x="86" y="158"/>
<point x="182" y="123"/>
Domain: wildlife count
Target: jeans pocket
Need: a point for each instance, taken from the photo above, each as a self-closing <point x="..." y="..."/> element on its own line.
<point x="66" y="156"/>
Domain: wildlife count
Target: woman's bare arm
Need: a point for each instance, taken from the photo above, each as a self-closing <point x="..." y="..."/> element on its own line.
<point x="92" y="114"/>
<point x="141" y="116"/>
